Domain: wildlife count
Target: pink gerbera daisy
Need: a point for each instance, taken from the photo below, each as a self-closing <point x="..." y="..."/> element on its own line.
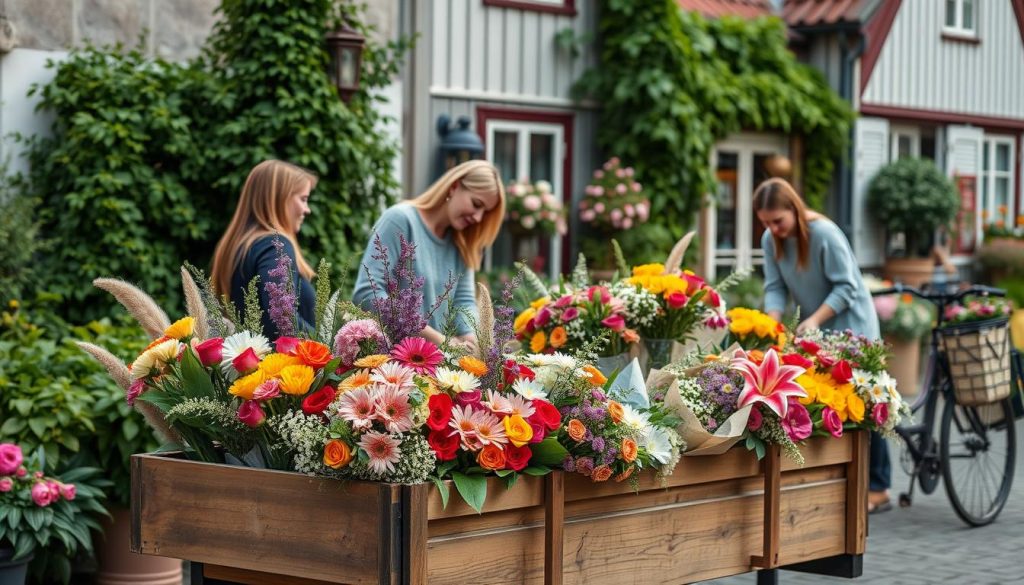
<point x="358" y="408"/>
<point x="465" y="420"/>
<point x="393" y="409"/>
<point x="419" y="354"/>
<point x="383" y="451"/>
<point x="490" y="430"/>
<point x="509" y="404"/>
<point x="394" y="374"/>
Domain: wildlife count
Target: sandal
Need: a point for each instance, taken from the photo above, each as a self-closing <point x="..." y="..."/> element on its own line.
<point x="880" y="507"/>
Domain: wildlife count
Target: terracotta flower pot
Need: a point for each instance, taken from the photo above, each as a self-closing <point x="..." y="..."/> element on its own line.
<point x="910" y="271"/>
<point x="118" y="565"/>
<point x="905" y="365"/>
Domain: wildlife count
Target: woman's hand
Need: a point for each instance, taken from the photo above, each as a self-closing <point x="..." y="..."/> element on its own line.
<point x="807" y="325"/>
<point x="467" y="343"/>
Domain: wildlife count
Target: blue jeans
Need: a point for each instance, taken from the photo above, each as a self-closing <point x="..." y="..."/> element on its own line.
<point x="879" y="466"/>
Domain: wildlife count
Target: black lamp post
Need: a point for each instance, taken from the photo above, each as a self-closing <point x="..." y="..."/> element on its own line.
<point x="345" y="46"/>
<point x="458" y="144"/>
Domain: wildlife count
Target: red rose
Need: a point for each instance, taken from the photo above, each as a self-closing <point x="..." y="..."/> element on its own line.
<point x="517" y="458"/>
<point x="211" y="351"/>
<point x="693" y="283"/>
<point x="539" y="428"/>
<point x="251" y="414"/>
<point x="825" y="359"/>
<point x="677" y="300"/>
<point x="317" y="402"/>
<point x="711" y="298"/>
<point x="286" y="345"/>
<point x="246" y="361"/>
<point x="810" y="347"/>
<point x="548" y="414"/>
<point x="444" y="445"/>
<point x="440" y="406"/>
<point x="795" y="359"/>
<point x="842" y="372"/>
<point x="614" y="322"/>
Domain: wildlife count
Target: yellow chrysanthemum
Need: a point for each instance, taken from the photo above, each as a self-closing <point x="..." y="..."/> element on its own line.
<point x="246" y="385"/>
<point x="648" y="269"/>
<point x="474" y="366"/>
<point x="181" y="328"/>
<point x="296" y="380"/>
<point x="537" y="304"/>
<point x="372" y="361"/>
<point x="522" y="319"/>
<point x="537" y="342"/>
<point x="673" y="284"/>
<point x="275" y="362"/>
<point x="357" y="380"/>
<point x="855" y="407"/>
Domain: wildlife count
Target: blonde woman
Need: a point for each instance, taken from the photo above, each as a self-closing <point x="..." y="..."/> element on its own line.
<point x="270" y="211"/>
<point x="450" y="224"/>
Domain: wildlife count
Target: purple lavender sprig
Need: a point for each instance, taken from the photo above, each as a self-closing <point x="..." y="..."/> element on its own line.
<point x="503" y="333"/>
<point x="280" y="289"/>
<point x="400" y="307"/>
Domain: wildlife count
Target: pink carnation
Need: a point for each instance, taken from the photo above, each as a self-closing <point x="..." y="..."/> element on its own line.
<point x="347" y="343"/>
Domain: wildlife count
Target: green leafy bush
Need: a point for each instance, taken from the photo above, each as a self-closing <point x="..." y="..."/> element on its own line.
<point x="147" y="157"/>
<point x="672" y="83"/>
<point x="19" y="231"/>
<point x="912" y="196"/>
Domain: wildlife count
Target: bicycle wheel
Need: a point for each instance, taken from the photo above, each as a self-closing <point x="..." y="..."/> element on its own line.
<point x="978" y="449"/>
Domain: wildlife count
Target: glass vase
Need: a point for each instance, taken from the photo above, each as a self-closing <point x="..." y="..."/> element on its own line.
<point x="609" y="364"/>
<point x="659" y="353"/>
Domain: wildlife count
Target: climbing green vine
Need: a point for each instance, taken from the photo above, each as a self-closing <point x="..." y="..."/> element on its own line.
<point x="672" y="83"/>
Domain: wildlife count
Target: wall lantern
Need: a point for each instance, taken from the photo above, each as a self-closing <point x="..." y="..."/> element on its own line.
<point x="778" y="166"/>
<point x="458" y="143"/>
<point x="345" y="46"/>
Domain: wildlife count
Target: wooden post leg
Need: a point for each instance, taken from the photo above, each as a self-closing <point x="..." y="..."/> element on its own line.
<point x="768" y="577"/>
<point x="772" y="509"/>
<point x="857" y="494"/>
<point x="554" y="526"/>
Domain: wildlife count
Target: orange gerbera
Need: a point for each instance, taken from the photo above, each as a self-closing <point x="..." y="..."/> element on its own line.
<point x="372" y="361"/>
<point x="594" y="375"/>
<point x="576" y="430"/>
<point x="537" y="342"/>
<point x="357" y="380"/>
<point x="558" y="337"/>
<point x="474" y="366"/>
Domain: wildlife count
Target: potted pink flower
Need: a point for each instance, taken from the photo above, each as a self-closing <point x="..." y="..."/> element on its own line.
<point x="614" y="201"/>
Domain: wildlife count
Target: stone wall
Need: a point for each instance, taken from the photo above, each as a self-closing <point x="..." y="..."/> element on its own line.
<point x="175" y="29"/>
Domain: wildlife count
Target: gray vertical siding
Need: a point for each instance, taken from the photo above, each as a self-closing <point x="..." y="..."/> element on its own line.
<point x="918" y="69"/>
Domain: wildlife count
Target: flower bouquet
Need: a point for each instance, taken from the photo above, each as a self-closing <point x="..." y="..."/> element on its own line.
<point x="613" y="200"/>
<point x="578" y="317"/>
<point x="533" y="207"/>
<point x="904" y="317"/>
<point x="980" y="308"/>
<point x="41" y="515"/>
<point x="754" y="330"/>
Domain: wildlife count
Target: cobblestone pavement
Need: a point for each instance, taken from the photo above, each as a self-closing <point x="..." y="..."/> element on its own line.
<point x="928" y="543"/>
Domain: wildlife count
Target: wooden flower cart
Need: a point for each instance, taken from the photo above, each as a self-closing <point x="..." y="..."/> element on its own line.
<point x="716" y="516"/>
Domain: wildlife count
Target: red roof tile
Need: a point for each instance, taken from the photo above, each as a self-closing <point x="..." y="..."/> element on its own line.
<point x="800" y="13"/>
<point x="717" y="8"/>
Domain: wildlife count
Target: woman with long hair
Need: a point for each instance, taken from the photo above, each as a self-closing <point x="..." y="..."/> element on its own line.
<point x="808" y="258"/>
<point x="450" y="223"/>
<point x="270" y="211"/>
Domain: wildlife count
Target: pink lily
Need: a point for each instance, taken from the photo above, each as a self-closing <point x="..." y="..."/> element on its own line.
<point x="770" y="382"/>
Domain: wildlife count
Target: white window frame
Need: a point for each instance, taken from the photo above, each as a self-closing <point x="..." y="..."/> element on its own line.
<point x="911" y="132"/>
<point x="523" y="129"/>
<point x="958" y="28"/>
<point x="988" y="179"/>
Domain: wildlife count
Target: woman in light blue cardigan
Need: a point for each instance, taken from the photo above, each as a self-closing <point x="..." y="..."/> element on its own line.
<point x="808" y="258"/>
<point x="450" y="223"/>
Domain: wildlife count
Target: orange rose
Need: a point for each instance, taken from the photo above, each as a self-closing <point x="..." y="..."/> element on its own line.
<point x="558" y="337"/>
<point x="615" y="411"/>
<point x="473" y="366"/>
<point x="601" y="473"/>
<point x="491" y="457"/>
<point x="313" y="354"/>
<point x="630" y="336"/>
<point x="594" y="375"/>
<point x="576" y="430"/>
<point x="628" y="450"/>
<point x="337" y="454"/>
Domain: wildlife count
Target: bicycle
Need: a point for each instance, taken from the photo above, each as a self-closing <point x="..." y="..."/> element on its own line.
<point x="976" y="451"/>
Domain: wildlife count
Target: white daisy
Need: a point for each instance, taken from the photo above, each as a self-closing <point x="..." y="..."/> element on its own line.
<point x="236" y="344"/>
<point x="456" y="380"/>
<point x="529" y="389"/>
<point x="634" y="419"/>
<point x="658" y="444"/>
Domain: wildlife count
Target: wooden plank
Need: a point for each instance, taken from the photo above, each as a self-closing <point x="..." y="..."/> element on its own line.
<point x="511" y="554"/>
<point x="261" y="520"/>
<point x="247" y="577"/>
<point x="857" y="495"/>
<point x="812" y="522"/>
<point x="528" y="491"/>
<point x="414" y="527"/>
<point x="822" y="451"/>
<point x="554" y="527"/>
<point x="769" y="558"/>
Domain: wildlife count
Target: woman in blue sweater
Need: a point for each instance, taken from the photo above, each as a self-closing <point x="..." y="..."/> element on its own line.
<point x="273" y="204"/>
<point x="808" y="258"/>
<point x="450" y="223"/>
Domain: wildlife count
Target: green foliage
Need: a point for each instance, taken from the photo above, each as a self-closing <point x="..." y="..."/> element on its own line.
<point x="672" y="83"/>
<point x="54" y="396"/>
<point x="649" y="243"/>
<point x="914" y="197"/>
<point x="748" y="292"/>
<point x="147" y="158"/>
<point x="19" y="240"/>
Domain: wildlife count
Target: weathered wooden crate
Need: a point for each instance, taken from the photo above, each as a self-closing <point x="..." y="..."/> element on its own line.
<point x="715" y="516"/>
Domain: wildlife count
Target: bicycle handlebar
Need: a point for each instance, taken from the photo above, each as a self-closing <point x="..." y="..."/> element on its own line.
<point x="976" y="289"/>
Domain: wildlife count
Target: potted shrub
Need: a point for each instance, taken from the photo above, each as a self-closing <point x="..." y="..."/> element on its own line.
<point x="912" y="197"/>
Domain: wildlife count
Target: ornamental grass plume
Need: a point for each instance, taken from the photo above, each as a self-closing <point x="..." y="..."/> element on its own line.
<point x="195" y="305"/>
<point x="675" y="257"/>
<point x="485" y="328"/>
<point x="145" y="310"/>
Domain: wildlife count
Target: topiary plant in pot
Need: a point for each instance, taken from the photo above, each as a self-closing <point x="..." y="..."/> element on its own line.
<point x="912" y="197"/>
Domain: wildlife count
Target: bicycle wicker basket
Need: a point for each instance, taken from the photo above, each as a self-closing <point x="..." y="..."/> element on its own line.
<point x="978" y="354"/>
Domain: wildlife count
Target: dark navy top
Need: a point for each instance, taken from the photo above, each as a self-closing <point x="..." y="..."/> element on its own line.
<point x="260" y="260"/>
